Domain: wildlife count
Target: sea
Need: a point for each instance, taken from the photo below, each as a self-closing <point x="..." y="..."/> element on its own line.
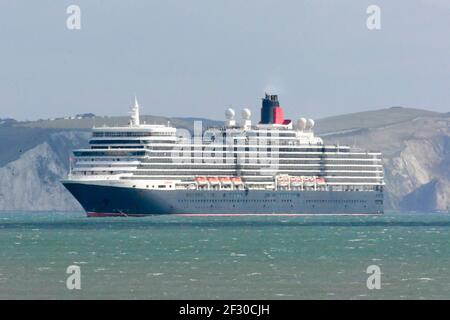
<point x="253" y="257"/>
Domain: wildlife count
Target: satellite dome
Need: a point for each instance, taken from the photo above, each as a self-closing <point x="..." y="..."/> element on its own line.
<point x="229" y="113"/>
<point x="301" y="123"/>
<point x="310" y="123"/>
<point x="246" y="114"/>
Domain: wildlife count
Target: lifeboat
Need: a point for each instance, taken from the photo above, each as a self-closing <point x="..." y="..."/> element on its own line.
<point x="225" y="180"/>
<point x="309" y="181"/>
<point x="296" y="181"/>
<point x="201" y="180"/>
<point x="213" y="180"/>
<point x="283" y="180"/>
<point x="320" y="181"/>
<point x="236" y="180"/>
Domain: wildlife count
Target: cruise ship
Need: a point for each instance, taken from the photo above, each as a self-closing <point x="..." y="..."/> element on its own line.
<point x="274" y="167"/>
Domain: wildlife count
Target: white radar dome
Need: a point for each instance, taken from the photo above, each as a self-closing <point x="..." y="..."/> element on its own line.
<point x="230" y="114"/>
<point x="246" y="114"/>
<point x="301" y="123"/>
<point x="310" y="124"/>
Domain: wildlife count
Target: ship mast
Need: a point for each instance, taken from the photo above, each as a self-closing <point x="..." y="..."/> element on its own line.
<point x="134" y="119"/>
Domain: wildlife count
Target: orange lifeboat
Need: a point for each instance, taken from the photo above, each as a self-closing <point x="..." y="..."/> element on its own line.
<point x="225" y="180"/>
<point x="213" y="180"/>
<point x="283" y="180"/>
<point x="296" y="181"/>
<point x="320" y="180"/>
<point x="309" y="181"/>
<point x="236" y="180"/>
<point x="201" y="180"/>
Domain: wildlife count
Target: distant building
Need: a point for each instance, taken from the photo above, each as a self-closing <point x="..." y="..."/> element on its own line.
<point x="85" y="116"/>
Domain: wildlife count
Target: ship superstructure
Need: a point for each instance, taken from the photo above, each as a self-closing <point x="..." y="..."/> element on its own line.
<point x="276" y="166"/>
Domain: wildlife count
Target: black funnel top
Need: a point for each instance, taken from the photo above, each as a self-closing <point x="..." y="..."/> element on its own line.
<point x="269" y="103"/>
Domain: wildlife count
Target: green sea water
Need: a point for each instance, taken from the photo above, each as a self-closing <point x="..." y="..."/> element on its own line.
<point x="174" y="257"/>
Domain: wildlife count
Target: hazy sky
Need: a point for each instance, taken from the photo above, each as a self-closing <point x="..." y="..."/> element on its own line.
<point x="195" y="58"/>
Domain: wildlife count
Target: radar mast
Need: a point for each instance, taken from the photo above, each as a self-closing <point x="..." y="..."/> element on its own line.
<point x="134" y="119"/>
